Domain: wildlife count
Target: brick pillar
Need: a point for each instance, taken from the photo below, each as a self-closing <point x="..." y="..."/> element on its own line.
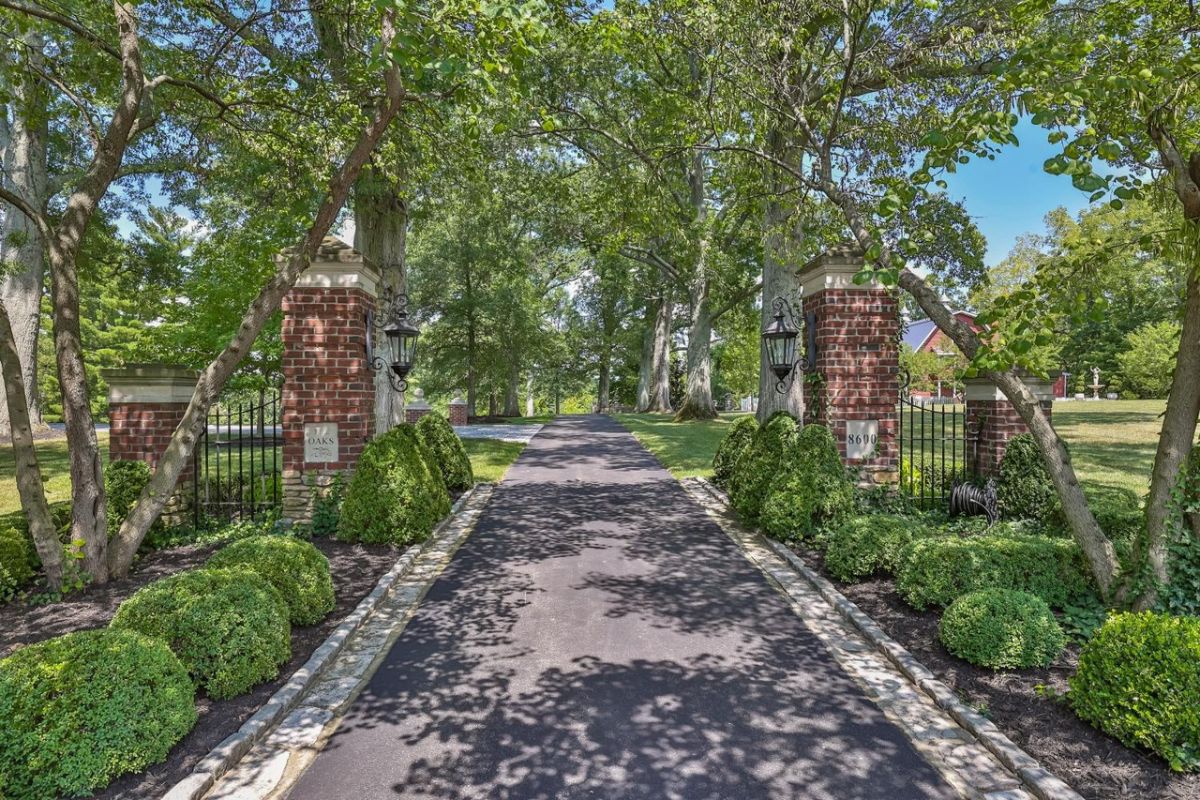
<point x="458" y="411"/>
<point x="145" y="404"/>
<point x="328" y="387"/>
<point x="993" y="420"/>
<point x="417" y="408"/>
<point x="857" y="328"/>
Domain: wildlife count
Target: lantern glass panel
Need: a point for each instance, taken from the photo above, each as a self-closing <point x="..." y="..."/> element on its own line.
<point x="781" y="349"/>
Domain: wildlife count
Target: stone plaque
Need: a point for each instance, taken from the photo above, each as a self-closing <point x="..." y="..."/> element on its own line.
<point x="862" y="437"/>
<point x="320" y="442"/>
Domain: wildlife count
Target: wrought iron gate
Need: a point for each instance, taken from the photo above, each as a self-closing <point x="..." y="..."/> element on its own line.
<point x="937" y="447"/>
<point x="236" y="463"/>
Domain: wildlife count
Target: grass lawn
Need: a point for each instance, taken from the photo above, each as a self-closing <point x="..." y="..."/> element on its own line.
<point x="491" y="458"/>
<point x="685" y="448"/>
<point x="1112" y="441"/>
<point x="52" y="456"/>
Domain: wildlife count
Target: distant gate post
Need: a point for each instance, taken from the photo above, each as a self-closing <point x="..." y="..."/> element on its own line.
<point x="855" y="388"/>
<point x="328" y="387"/>
<point x="993" y="420"/>
<point x="458" y="411"/>
<point x="145" y="404"/>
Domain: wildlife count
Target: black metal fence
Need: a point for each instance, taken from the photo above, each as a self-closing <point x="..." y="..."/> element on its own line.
<point x="236" y="463"/>
<point x="937" y="447"/>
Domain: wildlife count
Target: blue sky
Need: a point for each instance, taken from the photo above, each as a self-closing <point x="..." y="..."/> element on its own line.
<point x="1011" y="195"/>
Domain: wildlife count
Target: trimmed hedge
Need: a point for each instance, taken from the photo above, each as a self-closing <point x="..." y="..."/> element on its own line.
<point x="1002" y="629"/>
<point x="229" y="627"/>
<point x="865" y="545"/>
<point x="937" y="571"/>
<point x="16" y="562"/>
<point x="123" y="485"/>
<point x="736" y="442"/>
<point x="1024" y="489"/>
<point x="395" y="495"/>
<point x="769" y="451"/>
<point x="82" y="709"/>
<point x="449" y="455"/>
<point x="1139" y="681"/>
<point x="296" y="568"/>
<point x="813" y="490"/>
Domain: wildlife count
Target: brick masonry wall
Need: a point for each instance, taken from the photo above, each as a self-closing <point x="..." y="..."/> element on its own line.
<point x="411" y="415"/>
<point x="458" y="414"/>
<point x="141" y="431"/>
<point x="858" y="360"/>
<point x="996" y="422"/>
<point x="326" y="379"/>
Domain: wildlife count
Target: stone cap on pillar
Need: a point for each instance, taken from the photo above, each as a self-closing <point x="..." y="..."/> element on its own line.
<point x="150" y="383"/>
<point x="980" y="389"/>
<point x="458" y="401"/>
<point x="835" y="269"/>
<point x="337" y="265"/>
<point x="418" y="402"/>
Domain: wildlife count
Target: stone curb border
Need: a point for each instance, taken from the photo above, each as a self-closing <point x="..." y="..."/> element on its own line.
<point x="227" y="754"/>
<point x="1043" y="783"/>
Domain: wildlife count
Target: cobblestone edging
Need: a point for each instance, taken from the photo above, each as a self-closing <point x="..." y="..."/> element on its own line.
<point x="969" y="750"/>
<point x="325" y="660"/>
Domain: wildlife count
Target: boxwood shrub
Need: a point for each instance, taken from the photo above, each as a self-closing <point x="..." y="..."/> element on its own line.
<point x="1002" y="629"/>
<point x="296" y="568"/>
<point x="396" y="496"/>
<point x="769" y="451"/>
<point x="811" y="492"/>
<point x="81" y="709"/>
<point x="449" y="455"/>
<point x="865" y="545"/>
<point x="736" y="442"/>
<point x="16" y="562"/>
<point x="1024" y="489"/>
<point x="229" y="627"/>
<point x="1139" y="681"/>
<point x="936" y="571"/>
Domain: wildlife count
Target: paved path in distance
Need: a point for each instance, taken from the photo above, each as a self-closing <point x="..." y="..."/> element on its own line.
<point x="598" y="636"/>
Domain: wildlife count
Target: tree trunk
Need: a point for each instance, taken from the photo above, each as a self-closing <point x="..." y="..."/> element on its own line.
<point x="782" y="242"/>
<point x="512" y="388"/>
<point x="1175" y="440"/>
<point x="471" y="346"/>
<point x="23" y="142"/>
<point x="697" y="399"/>
<point x="214" y="377"/>
<point x="29" y="474"/>
<point x="654" y="370"/>
<point x="645" y="386"/>
<point x="604" y="382"/>
<point x="697" y="396"/>
<point x="493" y="404"/>
<point x="529" y="406"/>
<point x="380" y="234"/>
<point x="88" y="511"/>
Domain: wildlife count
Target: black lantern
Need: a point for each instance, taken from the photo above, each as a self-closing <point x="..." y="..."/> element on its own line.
<point x="401" y="338"/>
<point x="779" y="339"/>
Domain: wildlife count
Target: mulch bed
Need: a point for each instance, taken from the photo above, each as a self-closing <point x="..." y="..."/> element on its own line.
<point x="355" y="570"/>
<point x="1022" y="703"/>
